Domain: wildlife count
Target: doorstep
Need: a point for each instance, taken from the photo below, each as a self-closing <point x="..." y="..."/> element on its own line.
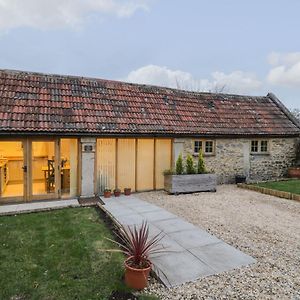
<point x="14" y="209"/>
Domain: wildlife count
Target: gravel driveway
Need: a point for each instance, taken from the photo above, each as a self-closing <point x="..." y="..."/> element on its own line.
<point x="263" y="226"/>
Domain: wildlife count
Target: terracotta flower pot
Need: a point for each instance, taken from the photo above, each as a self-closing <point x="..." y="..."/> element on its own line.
<point x="136" y="278"/>
<point x="107" y="194"/>
<point x="294" y="172"/>
<point x="117" y="193"/>
<point x="127" y="191"/>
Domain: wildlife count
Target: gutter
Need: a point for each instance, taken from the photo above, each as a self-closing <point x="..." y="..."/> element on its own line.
<point x="23" y="134"/>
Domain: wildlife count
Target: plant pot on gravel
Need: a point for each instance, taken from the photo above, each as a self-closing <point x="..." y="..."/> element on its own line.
<point x="107" y="193"/>
<point x="127" y="191"/>
<point x="117" y="192"/>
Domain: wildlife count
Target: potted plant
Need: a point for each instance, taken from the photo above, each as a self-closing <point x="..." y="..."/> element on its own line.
<point x="191" y="178"/>
<point x="107" y="193"/>
<point x="117" y="192"/>
<point x="127" y="191"/>
<point x="136" y="244"/>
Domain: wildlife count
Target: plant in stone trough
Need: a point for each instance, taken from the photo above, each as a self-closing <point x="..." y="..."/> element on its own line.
<point x="179" y="165"/>
<point x="190" y="169"/>
<point x="201" y="165"/>
<point x="136" y="244"/>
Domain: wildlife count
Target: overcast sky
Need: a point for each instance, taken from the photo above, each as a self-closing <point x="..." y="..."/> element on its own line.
<point x="250" y="47"/>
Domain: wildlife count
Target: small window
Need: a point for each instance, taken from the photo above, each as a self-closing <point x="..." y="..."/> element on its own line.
<point x="260" y="147"/>
<point x="254" y="146"/>
<point x="264" y="146"/>
<point x="209" y="147"/>
<point x="197" y="146"/>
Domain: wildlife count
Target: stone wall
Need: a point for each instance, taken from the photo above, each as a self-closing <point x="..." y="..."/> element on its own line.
<point x="282" y="156"/>
<point x="232" y="157"/>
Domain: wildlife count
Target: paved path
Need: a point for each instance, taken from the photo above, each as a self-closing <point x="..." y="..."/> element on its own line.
<point x="193" y="253"/>
<point x="36" y="206"/>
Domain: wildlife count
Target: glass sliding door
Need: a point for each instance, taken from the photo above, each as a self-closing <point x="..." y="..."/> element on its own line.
<point x="12" y="167"/>
<point x="44" y="170"/>
<point x="38" y="169"/>
<point x="68" y="167"/>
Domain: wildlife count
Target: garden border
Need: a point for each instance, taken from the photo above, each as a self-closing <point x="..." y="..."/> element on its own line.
<point x="276" y="193"/>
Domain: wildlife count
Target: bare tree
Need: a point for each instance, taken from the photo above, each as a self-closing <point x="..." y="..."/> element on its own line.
<point x="296" y="113"/>
<point x="196" y="87"/>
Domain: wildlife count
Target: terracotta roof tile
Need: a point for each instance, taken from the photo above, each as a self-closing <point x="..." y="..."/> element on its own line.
<point x="34" y="102"/>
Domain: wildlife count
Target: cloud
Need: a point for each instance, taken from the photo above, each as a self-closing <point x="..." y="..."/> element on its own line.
<point x="235" y="82"/>
<point x="52" y="14"/>
<point x="285" y="69"/>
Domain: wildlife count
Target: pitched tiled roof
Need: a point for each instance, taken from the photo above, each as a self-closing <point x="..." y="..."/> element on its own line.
<point x="40" y="103"/>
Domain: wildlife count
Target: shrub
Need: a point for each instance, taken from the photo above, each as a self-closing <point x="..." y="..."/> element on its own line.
<point x="169" y="172"/>
<point x="201" y="164"/>
<point x="179" y="165"/>
<point x="190" y="169"/>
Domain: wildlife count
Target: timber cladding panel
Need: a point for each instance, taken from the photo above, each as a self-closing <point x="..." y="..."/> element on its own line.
<point x="134" y="163"/>
<point x="163" y="160"/>
<point x="126" y="164"/>
<point x="106" y="163"/>
<point x="145" y="164"/>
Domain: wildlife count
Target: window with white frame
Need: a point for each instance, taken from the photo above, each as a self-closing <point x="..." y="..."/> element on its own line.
<point x="209" y="147"/>
<point x="254" y="146"/>
<point x="264" y="146"/>
<point x="259" y="146"/>
<point x="206" y="146"/>
<point x="197" y="146"/>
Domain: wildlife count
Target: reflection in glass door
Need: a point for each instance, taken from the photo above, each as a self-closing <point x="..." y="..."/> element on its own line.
<point x="12" y="169"/>
<point x="43" y="168"/>
<point x="68" y="167"/>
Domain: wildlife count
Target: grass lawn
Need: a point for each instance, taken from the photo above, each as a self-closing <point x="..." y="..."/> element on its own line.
<point x="292" y="186"/>
<point x="56" y="255"/>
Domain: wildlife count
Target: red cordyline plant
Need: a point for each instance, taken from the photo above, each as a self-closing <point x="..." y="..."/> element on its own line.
<point x="136" y="243"/>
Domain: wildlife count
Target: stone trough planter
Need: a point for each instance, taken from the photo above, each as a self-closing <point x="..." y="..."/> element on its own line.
<point x="177" y="184"/>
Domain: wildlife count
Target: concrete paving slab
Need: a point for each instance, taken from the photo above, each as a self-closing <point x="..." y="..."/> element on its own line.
<point x="145" y="208"/>
<point x="222" y="257"/>
<point x="194" y="238"/>
<point x="37" y="206"/>
<point x="158" y="215"/>
<point x="8" y="209"/>
<point x="173" y="225"/>
<point x="133" y="219"/>
<point x="179" y="267"/>
<point x="170" y="245"/>
<point x="153" y="230"/>
<point x="114" y="204"/>
<point x="131" y="202"/>
<point x="120" y="210"/>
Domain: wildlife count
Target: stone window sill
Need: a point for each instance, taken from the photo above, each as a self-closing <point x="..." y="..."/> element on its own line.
<point x="204" y="154"/>
<point x="260" y="153"/>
